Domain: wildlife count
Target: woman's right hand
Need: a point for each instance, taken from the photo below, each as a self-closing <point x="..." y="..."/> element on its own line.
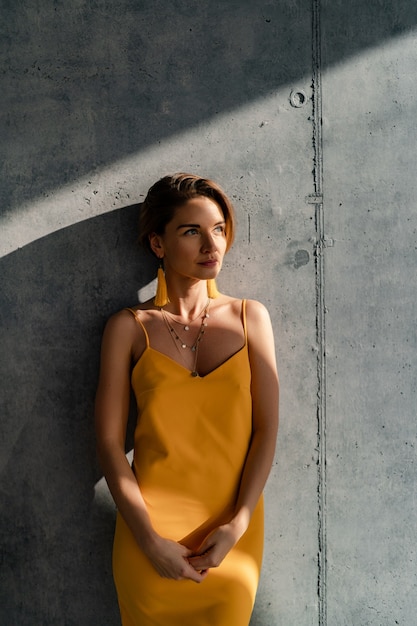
<point x="170" y="560"/>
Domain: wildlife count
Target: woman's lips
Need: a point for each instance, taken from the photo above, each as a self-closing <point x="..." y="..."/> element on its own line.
<point x="210" y="263"/>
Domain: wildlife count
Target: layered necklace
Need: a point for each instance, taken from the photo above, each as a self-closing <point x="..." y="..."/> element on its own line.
<point x="179" y="342"/>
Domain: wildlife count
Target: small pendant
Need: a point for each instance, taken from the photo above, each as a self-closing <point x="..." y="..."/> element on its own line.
<point x="192" y="348"/>
<point x="186" y="328"/>
<point x="194" y="374"/>
<point x="183" y="346"/>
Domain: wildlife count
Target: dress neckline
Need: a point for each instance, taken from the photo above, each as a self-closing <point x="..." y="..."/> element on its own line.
<point x="149" y="348"/>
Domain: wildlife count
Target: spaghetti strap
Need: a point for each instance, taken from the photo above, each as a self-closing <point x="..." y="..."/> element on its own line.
<point x="137" y="318"/>
<point x="245" y="330"/>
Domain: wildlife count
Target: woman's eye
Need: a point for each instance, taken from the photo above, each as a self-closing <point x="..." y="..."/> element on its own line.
<point x="219" y="229"/>
<point x="191" y="231"/>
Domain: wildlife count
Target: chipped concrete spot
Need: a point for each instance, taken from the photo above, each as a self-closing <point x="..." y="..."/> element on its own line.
<point x="301" y="258"/>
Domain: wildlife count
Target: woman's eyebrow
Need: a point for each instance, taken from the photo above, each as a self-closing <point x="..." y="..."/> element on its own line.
<point x="197" y="225"/>
<point x="188" y="226"/>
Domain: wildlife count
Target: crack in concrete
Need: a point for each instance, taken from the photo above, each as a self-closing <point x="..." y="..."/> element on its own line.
<point x="317" y="200"/>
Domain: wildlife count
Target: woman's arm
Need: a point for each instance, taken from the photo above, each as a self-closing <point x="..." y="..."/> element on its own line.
<point x="265" y="400"/>
<point x="111" y="412"/>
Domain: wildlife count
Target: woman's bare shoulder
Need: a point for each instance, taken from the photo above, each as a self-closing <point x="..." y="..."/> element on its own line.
<point x="254" y="308"/>
<point x="123" y="333"/>
<point x="258" y="318"/>
<point x="122" y="318"/>
<point x="125" y="323"/>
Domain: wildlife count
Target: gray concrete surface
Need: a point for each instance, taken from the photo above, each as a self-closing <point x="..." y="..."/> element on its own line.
<point x="100" y="99"/>
<point x="370" y="131"/>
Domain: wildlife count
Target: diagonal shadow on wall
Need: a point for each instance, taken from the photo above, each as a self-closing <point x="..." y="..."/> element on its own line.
<point x="85" y="84"/>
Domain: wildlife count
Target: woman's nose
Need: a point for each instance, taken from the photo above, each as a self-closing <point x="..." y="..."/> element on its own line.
<point x="208" y="243"/>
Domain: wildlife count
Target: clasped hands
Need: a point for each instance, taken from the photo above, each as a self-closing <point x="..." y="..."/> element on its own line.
<point x="176" y="561"/>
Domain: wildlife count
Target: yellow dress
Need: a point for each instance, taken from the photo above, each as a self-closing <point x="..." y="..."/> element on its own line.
<point x="191" y="441"/>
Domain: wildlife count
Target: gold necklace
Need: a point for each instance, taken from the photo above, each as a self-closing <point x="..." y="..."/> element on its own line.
<point x="180" y="344"/>
<point x="186" y="326"/>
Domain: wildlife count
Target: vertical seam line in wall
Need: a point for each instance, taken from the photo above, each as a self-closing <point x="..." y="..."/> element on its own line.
<point x="320" y="312"/>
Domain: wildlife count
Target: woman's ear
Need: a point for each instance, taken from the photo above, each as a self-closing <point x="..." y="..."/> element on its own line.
<point x="155" y="243"/>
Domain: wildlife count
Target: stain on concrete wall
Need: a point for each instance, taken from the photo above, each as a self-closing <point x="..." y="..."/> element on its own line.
<point x="301" y="109"/>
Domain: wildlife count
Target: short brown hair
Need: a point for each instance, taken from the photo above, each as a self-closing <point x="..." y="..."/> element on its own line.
<point x="169" y="193"/>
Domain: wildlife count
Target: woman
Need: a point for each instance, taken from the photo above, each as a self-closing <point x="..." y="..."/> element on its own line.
<point x="202" y="366"/>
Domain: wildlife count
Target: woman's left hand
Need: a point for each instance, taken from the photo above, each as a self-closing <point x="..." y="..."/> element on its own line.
<point x="215" y="547"/>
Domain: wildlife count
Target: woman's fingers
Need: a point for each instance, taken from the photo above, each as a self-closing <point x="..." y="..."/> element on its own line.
<point x="195" y="574"/>
<point x="170" y="559"/>
<point x="213" y="549"/>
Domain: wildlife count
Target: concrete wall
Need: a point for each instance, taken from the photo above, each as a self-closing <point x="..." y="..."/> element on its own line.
<point x="102" y="98"/>
<point x="369" y="140"/>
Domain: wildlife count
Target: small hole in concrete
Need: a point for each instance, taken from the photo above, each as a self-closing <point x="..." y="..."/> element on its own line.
<point x="298" y="98"/>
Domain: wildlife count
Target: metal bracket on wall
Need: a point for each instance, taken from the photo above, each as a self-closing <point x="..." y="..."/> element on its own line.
<point x="314" y="198"/>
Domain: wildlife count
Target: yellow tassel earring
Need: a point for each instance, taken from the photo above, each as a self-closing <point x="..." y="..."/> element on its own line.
<point x="212" y="290"/>
<point x="161" y="296"/>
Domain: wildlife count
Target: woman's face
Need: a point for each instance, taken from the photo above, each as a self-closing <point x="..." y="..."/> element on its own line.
<point x="194" y="242"/>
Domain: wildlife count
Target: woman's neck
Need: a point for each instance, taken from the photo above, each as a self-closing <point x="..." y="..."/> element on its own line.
<point x="189" y="303"/>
